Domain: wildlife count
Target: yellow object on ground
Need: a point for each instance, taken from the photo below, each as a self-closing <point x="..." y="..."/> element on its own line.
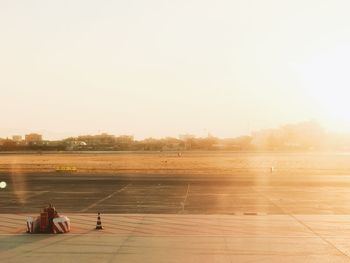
<point x="66" y="169"/>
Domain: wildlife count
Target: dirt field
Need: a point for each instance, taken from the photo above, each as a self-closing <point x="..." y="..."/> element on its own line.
<point x="203" y="163"/>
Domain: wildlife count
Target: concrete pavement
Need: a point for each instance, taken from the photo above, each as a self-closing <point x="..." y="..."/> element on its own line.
<point x="182" y="238"/>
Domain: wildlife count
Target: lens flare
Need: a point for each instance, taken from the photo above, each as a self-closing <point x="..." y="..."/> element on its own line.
<point x="18" y="181"/>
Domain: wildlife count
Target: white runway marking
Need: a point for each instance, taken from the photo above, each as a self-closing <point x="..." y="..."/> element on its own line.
<point x="103" y="199"/>
<point x="183" y="204"/>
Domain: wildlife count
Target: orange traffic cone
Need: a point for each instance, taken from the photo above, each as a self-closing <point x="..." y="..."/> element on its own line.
<point x="99" y="223"/>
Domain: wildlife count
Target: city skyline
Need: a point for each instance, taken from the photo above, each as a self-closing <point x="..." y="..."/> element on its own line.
<point x="51" y="135"/>
<point x="304" y="136"/>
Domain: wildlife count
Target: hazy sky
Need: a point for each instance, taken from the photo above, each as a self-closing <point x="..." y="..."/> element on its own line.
<point x="156" y="68"/>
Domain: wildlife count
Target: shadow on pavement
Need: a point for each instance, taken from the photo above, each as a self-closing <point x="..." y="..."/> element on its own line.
<point x="9" y="242"/>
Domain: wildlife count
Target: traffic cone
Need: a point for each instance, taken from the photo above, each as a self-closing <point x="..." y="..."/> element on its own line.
<point x="99" y="223"/>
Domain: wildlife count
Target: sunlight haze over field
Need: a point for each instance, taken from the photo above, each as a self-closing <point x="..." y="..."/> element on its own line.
<point x="163" y="68"/>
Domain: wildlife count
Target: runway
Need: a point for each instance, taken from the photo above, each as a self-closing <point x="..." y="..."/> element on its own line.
<point x="241" y="193"/>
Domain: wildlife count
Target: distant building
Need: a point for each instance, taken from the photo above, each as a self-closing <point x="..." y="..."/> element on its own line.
<point x="187" y="139"/>
<point x="17" y="138"/>
<point x="33" y="138"/>
<point x="126" y="139"/>
<point x="184" y="137"/>
<point x="300" y="136"/>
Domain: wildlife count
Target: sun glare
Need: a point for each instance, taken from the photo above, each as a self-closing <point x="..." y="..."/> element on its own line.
<point x="327" y="83"/>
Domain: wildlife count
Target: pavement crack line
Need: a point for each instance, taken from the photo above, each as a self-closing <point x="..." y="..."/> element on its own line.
<point x="126" y="240"/>
<point x="304" y="225"/>
<point x="321" y="237"/>
<point x="104" y="199"/>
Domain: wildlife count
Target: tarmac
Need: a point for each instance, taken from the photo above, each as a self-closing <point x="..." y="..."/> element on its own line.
<point x="182" y="238"/>
<point x="269" y="217"/>
<point x="263" y="193"/>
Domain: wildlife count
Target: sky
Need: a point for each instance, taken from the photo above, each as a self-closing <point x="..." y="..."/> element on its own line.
<point x="162" y="68"/>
